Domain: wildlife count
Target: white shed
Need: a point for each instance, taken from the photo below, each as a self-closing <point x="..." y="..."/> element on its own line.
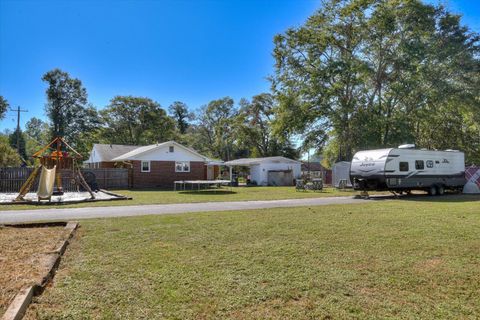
<point x="341" y="171"/>
<point x="273" y="171"/>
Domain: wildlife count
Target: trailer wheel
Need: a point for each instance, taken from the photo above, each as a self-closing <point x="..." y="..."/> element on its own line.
<point x="432" y="191"/>
<point x="440" y="190"/>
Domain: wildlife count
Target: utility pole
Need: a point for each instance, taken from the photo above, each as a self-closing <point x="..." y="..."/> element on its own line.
<point x="18" y="110"/>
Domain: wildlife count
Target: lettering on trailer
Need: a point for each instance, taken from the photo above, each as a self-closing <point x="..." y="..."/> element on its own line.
<point x="368" y="164"/>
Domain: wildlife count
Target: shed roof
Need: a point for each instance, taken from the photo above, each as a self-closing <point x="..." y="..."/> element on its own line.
<point x="253" y="161"/>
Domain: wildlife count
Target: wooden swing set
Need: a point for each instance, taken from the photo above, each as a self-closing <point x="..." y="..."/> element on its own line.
<point x="54" y="157"/>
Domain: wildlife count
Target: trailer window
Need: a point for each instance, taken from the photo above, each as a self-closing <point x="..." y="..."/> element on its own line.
<point x="419" y="165"/>
<point x="403" y="166"/>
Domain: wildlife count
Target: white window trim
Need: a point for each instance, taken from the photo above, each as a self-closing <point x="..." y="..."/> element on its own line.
<point x="182" y="166"/>
<point x="141" y="166"/>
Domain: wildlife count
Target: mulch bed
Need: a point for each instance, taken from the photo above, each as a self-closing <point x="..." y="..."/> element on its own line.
<point x="24" y="257"/>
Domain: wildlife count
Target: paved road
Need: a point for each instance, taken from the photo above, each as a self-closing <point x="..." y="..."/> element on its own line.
<point x="63" y="214"/>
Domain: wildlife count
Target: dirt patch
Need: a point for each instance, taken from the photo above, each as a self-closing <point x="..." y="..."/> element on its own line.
<point x="24" y="257"/>
<point x="429" y="264"/>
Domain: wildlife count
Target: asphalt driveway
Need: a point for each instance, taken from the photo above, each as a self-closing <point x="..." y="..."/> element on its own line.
<point x="63" y="214"/>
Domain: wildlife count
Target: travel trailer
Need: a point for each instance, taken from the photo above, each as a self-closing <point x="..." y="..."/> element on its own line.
<point x="405" y="168"/>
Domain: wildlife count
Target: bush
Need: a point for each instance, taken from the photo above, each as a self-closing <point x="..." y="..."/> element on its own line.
<point x="8" y="156"/>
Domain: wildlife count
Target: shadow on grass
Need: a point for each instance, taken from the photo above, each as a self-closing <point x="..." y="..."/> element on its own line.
<point x="448" y="197"/>
<point x="162" y="190"/>
<point x="207" y="192"/>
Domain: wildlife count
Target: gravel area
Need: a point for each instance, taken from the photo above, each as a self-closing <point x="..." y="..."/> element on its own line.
<point x="6" y="198"/>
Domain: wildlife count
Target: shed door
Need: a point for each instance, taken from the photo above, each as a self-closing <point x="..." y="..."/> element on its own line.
<point x="280" y="178"/>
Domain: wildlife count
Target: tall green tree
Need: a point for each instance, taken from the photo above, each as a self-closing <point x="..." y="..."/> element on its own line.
<point x="179" y="112"/>
<point x="136" y="121"/>
<point x="3" y="107"/>
<point x="367" y="74"/>
<point x="8" y="156"/>
<point x="37" y="134"/>
<point x="317" y="74"/>
<point x="214" y="129"/>
<point x="67" y="106"/>
<point x="254" y="123"/>
<point x="18" y="144"/>
<point x="253" y="129"/>
<point x="38" y="130"/>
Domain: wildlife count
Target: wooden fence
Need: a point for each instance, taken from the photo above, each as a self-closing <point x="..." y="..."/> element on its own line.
<point x="111" y="178"/>
<point x="12" y="179"/>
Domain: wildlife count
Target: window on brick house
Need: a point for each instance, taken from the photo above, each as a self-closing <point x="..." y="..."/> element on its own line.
<point x="145" y="166"/>
<point x="182" y="166"/>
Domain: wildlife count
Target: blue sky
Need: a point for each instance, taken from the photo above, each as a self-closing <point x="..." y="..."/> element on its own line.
<point x="192" y="51"/>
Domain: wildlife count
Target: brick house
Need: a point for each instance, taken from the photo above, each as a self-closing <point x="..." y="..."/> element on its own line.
<point x="156" y="165"/>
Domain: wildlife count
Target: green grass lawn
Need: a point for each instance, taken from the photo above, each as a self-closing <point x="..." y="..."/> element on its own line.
<point x="140" y="197"/>
<point x="403" y="259"/>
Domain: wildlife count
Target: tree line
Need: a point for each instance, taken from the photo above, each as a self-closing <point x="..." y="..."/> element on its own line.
<point x="359" y="74"/>
<point x="364" y="74"/>
<point x="220" y="129"/>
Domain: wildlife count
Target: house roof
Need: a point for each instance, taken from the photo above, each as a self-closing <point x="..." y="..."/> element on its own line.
<point x="118" y="152"/>
<point x="134" y="154"/>
<point x="137" y="151"/>
<point x="107" y="152"/>
<point x="253" y="161"/>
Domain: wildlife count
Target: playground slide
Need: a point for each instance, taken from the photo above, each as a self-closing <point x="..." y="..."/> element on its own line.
<point x="46" y="182"/>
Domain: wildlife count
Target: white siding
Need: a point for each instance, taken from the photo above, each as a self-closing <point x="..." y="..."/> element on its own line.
<point x="259" y="173"/>
<point x="94" y="156"/>
<point x="256" y="174"/>
<point x="341" y="171"/>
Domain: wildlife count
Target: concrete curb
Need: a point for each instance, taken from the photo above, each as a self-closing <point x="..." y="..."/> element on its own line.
<point x="119" y="196"/>
<point x="57" y="254"/>
<point x="16" y="310"/>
